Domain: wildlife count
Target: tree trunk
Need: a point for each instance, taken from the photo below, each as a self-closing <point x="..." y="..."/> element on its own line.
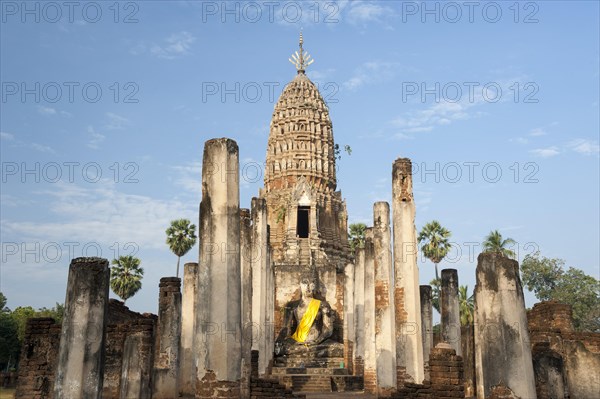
<point x="177" y="274"/>
<point x="437" y="277"/>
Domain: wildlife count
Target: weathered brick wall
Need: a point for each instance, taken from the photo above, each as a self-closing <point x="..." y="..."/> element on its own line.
<point x="563" y="359"/>
<point x="349" y="355"/>
<point x="401" y="316"/>
<point x="446" y="369"/>
<point x="267" y="388"/>
<point x="121" y="323"/>
<point x="37" y="365"/>
<point x="550" y="316"/>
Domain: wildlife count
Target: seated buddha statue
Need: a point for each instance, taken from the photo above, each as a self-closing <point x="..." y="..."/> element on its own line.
<point x="308" y="325"/>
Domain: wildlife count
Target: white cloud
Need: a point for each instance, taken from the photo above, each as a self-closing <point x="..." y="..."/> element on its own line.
<point x="101" y="213"/>
<point x="372" y="72"/>
<point x="176" y="45"/>
<point x="6" y="136"/>
<point x="190" y="177"/>
<point x="46" y="110"/>
<point x="519" y="140"/>
<point x="95" y="138"/>
<point x="537" y="132"/>
<point x="364" y="12"/>
<point x="42" y="148"/>
<point x="116" y="122"/>
<point x="585" y="147"/>
<point x="426" y="120"/>
<point x="545" y="152"/>
<point x="319" y="75"/>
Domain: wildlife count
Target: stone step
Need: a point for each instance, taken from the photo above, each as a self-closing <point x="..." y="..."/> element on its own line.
<point x="312" y="383"/>
<point x="299" y="362"/>
<point x="276" y="371"/>
<point x="321" y="383"/>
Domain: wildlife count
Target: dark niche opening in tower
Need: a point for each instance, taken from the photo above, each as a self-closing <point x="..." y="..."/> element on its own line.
<point x="302" y="225"/>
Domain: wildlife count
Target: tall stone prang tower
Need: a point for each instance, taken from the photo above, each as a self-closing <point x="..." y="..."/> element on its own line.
<point x="306" y="215"/>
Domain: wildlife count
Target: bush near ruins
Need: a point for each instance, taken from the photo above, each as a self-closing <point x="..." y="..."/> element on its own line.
<point x="549" y="281"/>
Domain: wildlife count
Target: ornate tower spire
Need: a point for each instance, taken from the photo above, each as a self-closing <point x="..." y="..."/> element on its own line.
<point x="301" y="59"/>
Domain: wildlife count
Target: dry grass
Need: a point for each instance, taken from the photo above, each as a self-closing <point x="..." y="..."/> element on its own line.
<point x="7" y="393"/>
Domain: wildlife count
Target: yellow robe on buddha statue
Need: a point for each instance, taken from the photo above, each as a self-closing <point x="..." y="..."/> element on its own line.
<point x="307" y="321"/>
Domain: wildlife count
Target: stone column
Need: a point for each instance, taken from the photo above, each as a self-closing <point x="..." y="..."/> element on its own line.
<point x="450" y="320"/>
<point x="409" y="345"/>
<point x="426" y="324"/>
<point x="136" y="370"/>
<point x="385" y="337"/>
<point x="259" y="280"/>
<point x="217" y="341"/>
<point x="80" y="370"/>
<point x="370" y="360"/>
<point x="166" y="355"/>
<point x="359" y="311"/>
<point x="270" y="312"/>
<point x="349" y="336"/>
<point x="246" y="264"/>
<point x="187" y="372"/>
<point x="502" y="347"/>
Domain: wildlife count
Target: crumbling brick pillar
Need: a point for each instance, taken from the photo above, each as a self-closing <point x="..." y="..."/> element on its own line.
<point x="426" y="324"/>
<point x="450" y="319"/>
<point x="359" y="311"/>
<point x="502" y="346"/>
<point x="409" y="344"/>
<point x="187" y="368"/>
<point x="446" y="370"/>
<point x="349" y="336"/>
<point x="218" y="337"/>
<point x="166" y="356"/>
<point x="385" y="337"/>
<point x="370" y="359"/>
<point x="136" y="371"/>
<point x="80" y="370"/>
<point x="246" y="273"/>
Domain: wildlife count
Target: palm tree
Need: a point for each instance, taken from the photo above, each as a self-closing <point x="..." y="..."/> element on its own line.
<point x="494" y="243"/>
<point x="435" y="243"/>
<point x="181" y="237"/>
<point x="466" y="305"/>
<point x="356" y="236"/>
<point x="126" y="276"/>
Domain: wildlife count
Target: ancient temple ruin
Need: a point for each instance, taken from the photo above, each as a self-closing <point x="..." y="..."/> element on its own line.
<point x="279" y="306"/>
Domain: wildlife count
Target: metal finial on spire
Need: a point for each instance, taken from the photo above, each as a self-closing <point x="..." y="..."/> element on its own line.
<point x="301" y="59"/>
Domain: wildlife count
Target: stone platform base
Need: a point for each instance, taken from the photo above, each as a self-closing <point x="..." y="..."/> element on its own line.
<point x="316" y="375"/>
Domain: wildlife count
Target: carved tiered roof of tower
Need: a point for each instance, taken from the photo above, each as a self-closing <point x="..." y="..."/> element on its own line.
<point x="301" y="137"/>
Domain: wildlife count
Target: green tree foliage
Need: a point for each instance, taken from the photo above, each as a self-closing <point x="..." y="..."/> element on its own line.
<point x="337" y="151"/>
<point x="356" y="235"/>
<point x="126" y="276"/>
<point x="494" y="243"/>
<point x="435" y="245"/>
<point x="181" y="237"/>
<point x="13" y="325"/>
<point x="466" y="304"/>
<point x="548" y="280"/>
<point x="9" y="342"/>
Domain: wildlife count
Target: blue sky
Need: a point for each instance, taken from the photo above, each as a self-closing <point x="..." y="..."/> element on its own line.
<point x="105" y="111"/>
